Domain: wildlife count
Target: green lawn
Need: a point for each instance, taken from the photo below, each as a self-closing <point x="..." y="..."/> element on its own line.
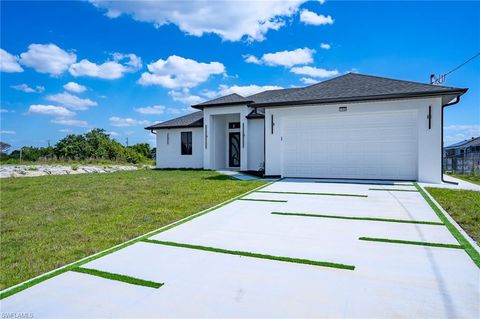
<point x="463" y="206"/>
<point x="468" y="178"/>
<point x="50" y="221"/>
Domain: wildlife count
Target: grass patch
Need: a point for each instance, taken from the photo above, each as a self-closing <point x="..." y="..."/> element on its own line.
<point x="56" y="272"/>
<point x="390" y="220"/>
<point x="469" y="249"/>
<point x="319" y="194"/>
<point x="408" y="242"/>
<point x="118" y="277"/>
<point x="51" y="221"/>
<point x="463" y="206"/>
<point x="475" y="179"/>
<point x="264" y="200"/>
<point x="393" y="190"/>
<point x="254" y="255"/>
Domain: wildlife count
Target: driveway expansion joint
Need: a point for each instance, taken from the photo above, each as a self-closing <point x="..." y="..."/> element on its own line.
<point x="361" y="218"/>
<point x="409" y="242"/>
<point x="319" y="194"/>
<point x="253" y="255"/>
<point x="118" y="277"/>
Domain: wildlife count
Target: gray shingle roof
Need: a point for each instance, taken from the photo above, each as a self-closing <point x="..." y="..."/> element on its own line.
<point x="190" y="120"/>
<point x="352" y="86"/>
<point x="227" y="99"/>
<point x="466" y="143"/>
<point x="270" y="94"/>
<point x="348" y="87"/>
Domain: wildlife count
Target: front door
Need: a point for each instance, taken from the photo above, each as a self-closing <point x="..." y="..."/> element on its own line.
<point x="234" y="149"/>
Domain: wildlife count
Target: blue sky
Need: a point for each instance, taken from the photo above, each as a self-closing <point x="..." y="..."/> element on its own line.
<point x="71" y="66"/>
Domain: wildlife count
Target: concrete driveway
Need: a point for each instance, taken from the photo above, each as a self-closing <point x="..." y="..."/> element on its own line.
<point x="206" y="272"/>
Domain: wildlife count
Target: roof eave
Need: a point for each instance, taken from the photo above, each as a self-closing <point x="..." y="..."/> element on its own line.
<point x="458" y="92"/>
<point x="152" y="128"/>
<point x="201" y="107"/>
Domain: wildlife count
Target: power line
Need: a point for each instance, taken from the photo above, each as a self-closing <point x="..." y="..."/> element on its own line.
<point x="442" y="77"/>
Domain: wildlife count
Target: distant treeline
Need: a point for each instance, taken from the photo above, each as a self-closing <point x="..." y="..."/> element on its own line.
<point x="95" y="145"/>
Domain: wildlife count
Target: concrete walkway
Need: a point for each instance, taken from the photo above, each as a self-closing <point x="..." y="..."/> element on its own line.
<point x="389" y="280"/>
<point x="461" y="184"/>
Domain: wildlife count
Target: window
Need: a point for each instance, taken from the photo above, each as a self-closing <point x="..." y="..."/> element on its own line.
<point x="233" y="125"/>
<point x="186" y="143"/>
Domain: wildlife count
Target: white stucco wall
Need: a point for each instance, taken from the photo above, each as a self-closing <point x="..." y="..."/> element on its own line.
<point x="429" y="141"/>
<point x="255" y="144"/>
<point x="169" y="155"/>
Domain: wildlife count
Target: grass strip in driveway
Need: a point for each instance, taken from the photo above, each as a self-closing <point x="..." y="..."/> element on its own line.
<point x="118" y="277"/>
<point x="319" y="194"/>
<point x="390" y="220"/>
<point x="265" y="200"/>
<point x="408" y="242"/>
<point x="363" y="183"/>
<point x="393" y="190"/>
<point x="467" y="246"/>
<point x="254" y="255"/>
<point x="34" y="281"/>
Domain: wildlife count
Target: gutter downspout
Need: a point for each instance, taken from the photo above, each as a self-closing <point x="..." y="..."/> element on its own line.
<point x="443" y="106"/>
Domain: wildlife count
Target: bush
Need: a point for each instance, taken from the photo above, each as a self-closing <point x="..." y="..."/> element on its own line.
<point x="95" y="146"/>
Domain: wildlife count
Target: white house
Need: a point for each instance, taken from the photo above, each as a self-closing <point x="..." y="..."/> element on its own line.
<point x="353" y="126"/>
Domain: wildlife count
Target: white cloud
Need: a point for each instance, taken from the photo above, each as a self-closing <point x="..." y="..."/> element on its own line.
<point x="47" y="58"/>
<point x="284" y="58"/>
<point x="172" y="110"/>
<point x="460" y="132"/>
<point x="231" y="20"/>
<point x="252" y="59"/>
<point x="185" y="97"/>
<point x="6" y="111"/>
<point x="125" y="122"/>
<point x="8" y="132"/>
<point x="154" y="109"/>
<point x="109" y="70"/>
<point x="313" y="71"/>
<point x="113" y="133"/>
<point x="325" y="46"/>
<point x="9" y="63"/>
<point x="52" y="110"/>
<point x="70" y="122"/>
<point x="177" y="72"/>
<point x="65" y="130"/>
<point x="245" y="90"/>
<point x="74" y="87"/>
<point x="309" y="17"/>
<point x="209" y="94"/>
<point x="25" y="88"/>
<point x="308" y="80"/>
<point x="71" y="101"/>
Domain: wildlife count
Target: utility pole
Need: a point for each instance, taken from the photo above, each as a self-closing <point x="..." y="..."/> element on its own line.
<point x="127" y="141"/>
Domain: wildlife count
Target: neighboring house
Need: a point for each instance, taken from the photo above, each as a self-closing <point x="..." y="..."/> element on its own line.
<point x="463" y="149"/>
<point x="352" y="126"/>
<point x="463" y="157"/>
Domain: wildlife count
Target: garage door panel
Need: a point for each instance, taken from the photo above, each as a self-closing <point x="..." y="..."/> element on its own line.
<point x="375" y="145"/>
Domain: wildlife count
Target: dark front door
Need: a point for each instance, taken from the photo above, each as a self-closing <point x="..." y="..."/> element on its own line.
<point x="234" y="149"/>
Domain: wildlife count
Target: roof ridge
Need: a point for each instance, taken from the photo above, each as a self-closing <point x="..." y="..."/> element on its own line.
<point x="399" y="80"/>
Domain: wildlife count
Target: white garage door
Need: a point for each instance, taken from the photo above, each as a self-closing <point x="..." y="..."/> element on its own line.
<point x="363" y="146"/>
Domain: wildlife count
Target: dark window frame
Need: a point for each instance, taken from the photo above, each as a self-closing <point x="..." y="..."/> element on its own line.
<point x="186" y="144"/>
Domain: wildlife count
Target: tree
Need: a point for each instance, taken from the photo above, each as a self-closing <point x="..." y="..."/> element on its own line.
<point x="142" y="148"/>
<point x="4" y="147"/>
